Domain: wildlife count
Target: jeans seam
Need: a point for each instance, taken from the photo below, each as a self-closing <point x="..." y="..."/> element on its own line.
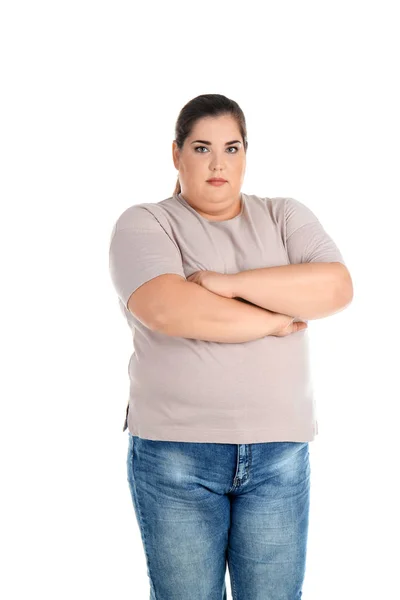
<point x="233" y="584"/>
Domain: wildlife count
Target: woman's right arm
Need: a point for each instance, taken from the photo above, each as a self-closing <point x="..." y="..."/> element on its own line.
<point x="192" y="311"/>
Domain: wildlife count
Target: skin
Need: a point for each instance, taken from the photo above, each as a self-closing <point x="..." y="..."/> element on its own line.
<point x="197" y="162"/>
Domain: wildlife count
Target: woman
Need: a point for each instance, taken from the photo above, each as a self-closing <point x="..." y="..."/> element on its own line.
<point x="218" y="286"/>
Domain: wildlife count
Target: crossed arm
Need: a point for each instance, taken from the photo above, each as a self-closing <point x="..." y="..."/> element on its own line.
<point x="305" y="291"/>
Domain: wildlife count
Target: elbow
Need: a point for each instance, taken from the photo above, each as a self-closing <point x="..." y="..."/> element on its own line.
<point x="337" y="299"/>
<point x="342" y="296"/>
<point x="342" y="286"/>
<point x="345" y="298"/>
<point x="345" y="288"/>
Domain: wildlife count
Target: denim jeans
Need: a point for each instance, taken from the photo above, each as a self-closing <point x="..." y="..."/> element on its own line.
<point x="201" y="506"/>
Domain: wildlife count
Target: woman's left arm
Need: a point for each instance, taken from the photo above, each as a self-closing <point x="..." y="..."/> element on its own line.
<point x="307" y="291"/>
<point x="315" y="284"/>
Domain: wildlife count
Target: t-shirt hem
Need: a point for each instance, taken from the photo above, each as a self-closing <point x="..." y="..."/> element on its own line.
<point x="220" y="436"/>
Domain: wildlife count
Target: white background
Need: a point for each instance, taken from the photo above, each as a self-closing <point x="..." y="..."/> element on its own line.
<point x="90" y="95"/>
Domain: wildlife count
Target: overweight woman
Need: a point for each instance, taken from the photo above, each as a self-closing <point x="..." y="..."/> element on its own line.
<point x="217" y="287"/>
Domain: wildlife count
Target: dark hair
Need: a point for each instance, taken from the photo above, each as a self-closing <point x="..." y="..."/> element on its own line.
<point x="206" y="105"/>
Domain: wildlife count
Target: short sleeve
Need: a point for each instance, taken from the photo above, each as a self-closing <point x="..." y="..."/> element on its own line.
<point x="140" y="249"/>
<point x="306" y="238"/>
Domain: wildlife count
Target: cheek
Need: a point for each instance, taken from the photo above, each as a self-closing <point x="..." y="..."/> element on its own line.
<point x="197" y="169"/>
<point x="239" y="170"/>
<point x="242" y="168"/>
<point x="193" y="166"/>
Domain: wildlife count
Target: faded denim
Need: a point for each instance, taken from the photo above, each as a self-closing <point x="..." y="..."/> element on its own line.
<point x="204" y="506"/>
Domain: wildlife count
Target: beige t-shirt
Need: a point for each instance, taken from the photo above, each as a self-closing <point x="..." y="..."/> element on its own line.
<point x="193" y="390"/>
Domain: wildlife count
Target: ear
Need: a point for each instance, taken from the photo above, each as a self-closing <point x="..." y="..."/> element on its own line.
<point x="175" y="154"/>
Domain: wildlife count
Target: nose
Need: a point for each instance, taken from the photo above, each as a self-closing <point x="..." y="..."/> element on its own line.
<point x="217" y="163"/>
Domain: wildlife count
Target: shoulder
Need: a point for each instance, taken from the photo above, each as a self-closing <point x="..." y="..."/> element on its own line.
<point x="137" y="216"/>
<point x="275" y="203"/>
<point x="293" y="206"/>
<point x="146" y="215"/>
<point x="286" y="204"/>
<point x="277" y="206"/>
<point x="286" y="208"/>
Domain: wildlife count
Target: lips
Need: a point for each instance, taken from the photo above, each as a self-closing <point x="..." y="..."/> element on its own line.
<point x="216" y="182"/>
<point x="217" y="179"/>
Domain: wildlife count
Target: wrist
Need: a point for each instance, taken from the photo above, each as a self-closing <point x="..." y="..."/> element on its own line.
<point x="234" y="285"/>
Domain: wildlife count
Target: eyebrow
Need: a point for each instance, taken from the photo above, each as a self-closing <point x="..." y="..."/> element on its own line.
<point x="209" y="143"/>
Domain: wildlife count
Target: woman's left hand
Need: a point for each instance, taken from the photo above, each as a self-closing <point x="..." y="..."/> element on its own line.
<point x="218" y="283"/>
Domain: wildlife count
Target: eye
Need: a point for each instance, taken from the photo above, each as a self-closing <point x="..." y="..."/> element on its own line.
<point x="230" y="148"/>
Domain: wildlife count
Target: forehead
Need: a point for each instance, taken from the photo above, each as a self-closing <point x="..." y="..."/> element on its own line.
<point x="221" y="126"/>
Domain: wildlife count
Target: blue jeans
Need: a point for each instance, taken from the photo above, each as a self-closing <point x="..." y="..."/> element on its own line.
<point x="202" y="505"/>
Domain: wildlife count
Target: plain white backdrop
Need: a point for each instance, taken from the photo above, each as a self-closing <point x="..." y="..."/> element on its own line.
<point x="90" y="95"/>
